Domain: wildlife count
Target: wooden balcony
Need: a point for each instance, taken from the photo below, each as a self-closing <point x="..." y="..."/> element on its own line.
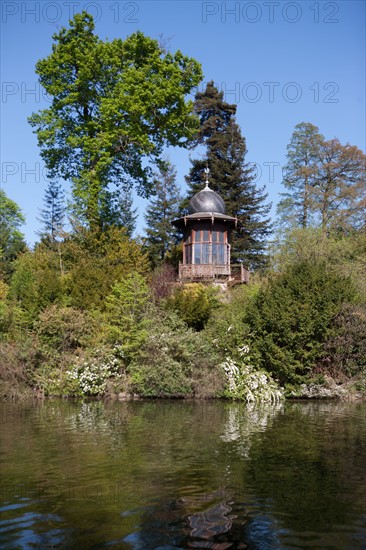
<point x="203" y="272"/>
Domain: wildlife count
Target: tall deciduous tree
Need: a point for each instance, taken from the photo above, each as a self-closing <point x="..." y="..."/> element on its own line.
<point x="340" y="194"/>
<point x="230" y="175"/>
<point x="325" y="183"/>
<point x="11" y="238"/>
<point x="53" y="214"/>
<point x="114" y="105"/>
<point x="162" y="209"/>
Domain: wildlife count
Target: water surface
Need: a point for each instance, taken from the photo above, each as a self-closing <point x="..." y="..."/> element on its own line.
<point x="176" y="474"/>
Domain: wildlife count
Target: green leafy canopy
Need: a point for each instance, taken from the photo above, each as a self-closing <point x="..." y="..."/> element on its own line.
<point x="115" y="105"/>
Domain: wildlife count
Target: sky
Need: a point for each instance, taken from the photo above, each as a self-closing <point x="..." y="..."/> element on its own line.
<point x="281" y="62"/>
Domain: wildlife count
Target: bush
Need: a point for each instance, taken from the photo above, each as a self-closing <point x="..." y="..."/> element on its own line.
<point x="343" y="355"/>
<point x="175" y="362"/>
<point x="94" y="261"/>
<point x="245" y="382"/>
<point x="194" y="303"/>
<point x="64" y="329"/>
<point x="92" y="375"/>
<point x="126" y="308"/>
<point x="226" y="328"/>
<point x="292" y="315"/>
<point x="18" y="363"/>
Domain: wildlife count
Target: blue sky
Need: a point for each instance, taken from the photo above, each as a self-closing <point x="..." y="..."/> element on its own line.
<point x="281" y="62"/>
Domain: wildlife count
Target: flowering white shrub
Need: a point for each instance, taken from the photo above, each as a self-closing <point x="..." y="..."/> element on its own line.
<point x="93" y="374"/>
<point x="247" y="383"/>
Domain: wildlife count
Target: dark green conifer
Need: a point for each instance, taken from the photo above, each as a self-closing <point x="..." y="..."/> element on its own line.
<point x="128" y="215"/>
<point x="161" y="210"/>
<point x="230" y="175"/>
<point x="53" y="214"/>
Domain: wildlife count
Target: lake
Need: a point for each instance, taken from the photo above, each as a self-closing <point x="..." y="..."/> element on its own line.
<point x="183" y="474"/>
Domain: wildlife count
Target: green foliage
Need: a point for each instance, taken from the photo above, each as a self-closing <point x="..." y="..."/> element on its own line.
<point x="292" y="315"/>
<point x="343" y="354"/>
<point x="230" y="175"/>
<point x="56" y="382"/>
<point x="53" y="214"/>
<point x="325" y="183"/>
<point x="194" y="303"/>
<point x="175" y="362"/>
<point x="226" y="329"/>
<point x="113" y="104"/>
<point x="64" y="329"/>
<point x="344" y="254"/>
<point x="37" y="281"/>
<point x="161" y="210"/>
<point x="91" y="376"/>
<point x="126" y="307"/>
<point x="11" y="239"/>
<point x="94" y="261"/>
<point x="127" y="214"/>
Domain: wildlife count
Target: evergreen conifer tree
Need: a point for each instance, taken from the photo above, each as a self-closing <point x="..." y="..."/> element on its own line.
<point x="230" y="175"/>
<point x="53" y="214"/>
<point x="161" y="210"/>
<point x="128" y="215"/>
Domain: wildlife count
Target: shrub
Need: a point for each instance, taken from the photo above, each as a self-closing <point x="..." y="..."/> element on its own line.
<point x="245" y="382"/>
<point x="226" y="328"/>
<point x="94" y="261"/>
<point x="64" y="329"/>
<point x="162" y="281"/>
<point x="343" y="354"/>
<point x="18" y="363"/>
<point x="174" y="362"/>
<point x="126" y="308"/>
<point x="194" y="303"/>
<point x="291" y="318"/>
<point x="91" y="376"/>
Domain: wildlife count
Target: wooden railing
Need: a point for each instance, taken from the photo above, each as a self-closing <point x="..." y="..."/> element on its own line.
<point x="239" y="273"/>
<point x="202" y="271"/>
<point x="194" y="272"/>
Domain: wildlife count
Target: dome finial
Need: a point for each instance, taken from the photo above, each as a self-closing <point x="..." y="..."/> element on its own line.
<point x="207" y="171"/>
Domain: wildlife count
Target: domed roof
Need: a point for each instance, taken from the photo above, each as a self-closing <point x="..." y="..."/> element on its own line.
<point x="206" y="200"/>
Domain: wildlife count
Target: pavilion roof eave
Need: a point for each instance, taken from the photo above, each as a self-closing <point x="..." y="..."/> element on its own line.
<point x="198" y="216"/>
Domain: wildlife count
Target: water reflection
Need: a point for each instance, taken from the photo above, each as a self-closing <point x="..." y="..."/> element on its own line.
<point x="215" y="475"/>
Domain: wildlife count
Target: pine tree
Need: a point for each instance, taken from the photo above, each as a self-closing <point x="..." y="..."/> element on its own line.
<point x="53" y="214"/>
<point x="128" y="215"/>
<point x="230" y="175"/>
<point x="161" y="210"/>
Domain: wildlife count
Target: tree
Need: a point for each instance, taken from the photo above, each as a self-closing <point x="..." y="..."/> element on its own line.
<point x="53" y="214"/>
<point x="230" y="175"/>
<point x="115" y="105"/>
<point x="325" y="183"/>
<point x="340" y="193"/>
<point x="162" y="209"/>
<point x="94" y="261"/>
<point x="11" y="239"/>
<point x="128" y="215"/>
<point x="126" y="312"/>
<point x="300" y="175"/>
<point x="291" y="317"/>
